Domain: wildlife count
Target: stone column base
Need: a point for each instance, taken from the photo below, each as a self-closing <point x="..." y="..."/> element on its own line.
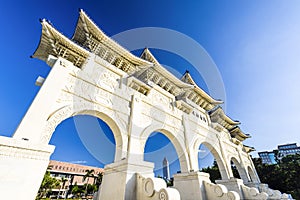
<point x="245" y="192"/>
<point x="119" y="180"/>
<point x="22" y="167"/>
<point x="233" y="184"/>
<point x="190" y="185"/>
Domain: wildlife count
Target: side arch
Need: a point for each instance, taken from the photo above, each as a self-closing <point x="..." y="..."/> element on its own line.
<point x="177" y="142"/>
<point x="241" y="170"/>
<point x="253" y="176"/>
<point x="84" y="109"/>
<point x="217" y="156"/>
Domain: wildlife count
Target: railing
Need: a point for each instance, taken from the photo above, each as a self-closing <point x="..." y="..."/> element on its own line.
<point x="274" y="194"/>
<point x="219" y="192"/>
<point x="155" y="188"/>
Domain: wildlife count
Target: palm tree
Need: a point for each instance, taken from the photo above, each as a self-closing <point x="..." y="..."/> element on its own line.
<point x="63" y="180"/>
<point x="88" y="174"/>
<point x="98" y="179"/>
<point x="70" y="185"/>
<point x="47" y="184"/>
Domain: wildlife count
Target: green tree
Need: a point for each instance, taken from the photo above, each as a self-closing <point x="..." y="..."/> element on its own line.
<point x="47" y="185"/>
<point x="76" y="190"/>
<point x="98" y="179"/>
<point x="88" y="174"/>
<point x="283" y="176"/>
<point x="90" y="188"/>
<point x="63" y="181"/>
<point x="70" y="185"/>
<point x="213" y="171"/>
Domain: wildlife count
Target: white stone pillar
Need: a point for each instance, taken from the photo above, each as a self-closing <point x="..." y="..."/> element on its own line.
<point x="32" y="125"/>
<point x="24" y="158"/>
<point x="22" y="168"/>
<point x="227" y="169"/>
<point x="243" y="174"/>
<point x="193" y="161"/>
<point x="233" y="184"/>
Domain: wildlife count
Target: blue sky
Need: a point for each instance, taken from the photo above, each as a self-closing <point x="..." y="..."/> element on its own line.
<point x="255" y="45"/>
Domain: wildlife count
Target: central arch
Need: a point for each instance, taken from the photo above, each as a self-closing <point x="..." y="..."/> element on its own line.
<point x="174" y="139"/>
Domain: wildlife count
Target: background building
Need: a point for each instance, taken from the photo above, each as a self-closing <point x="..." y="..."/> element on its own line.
<point x="268" y="157"/>
<point x="288" y="149"/>
<point x="72" y="174"/>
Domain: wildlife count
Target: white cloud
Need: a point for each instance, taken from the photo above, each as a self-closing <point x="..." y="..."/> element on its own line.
<point x="78" y="162"/>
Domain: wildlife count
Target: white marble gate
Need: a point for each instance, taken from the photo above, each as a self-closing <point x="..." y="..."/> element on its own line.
<point x="93" y="75"/>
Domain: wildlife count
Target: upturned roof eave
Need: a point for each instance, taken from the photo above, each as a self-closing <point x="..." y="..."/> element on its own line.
<point x="219" y="110"/>
<point x="171" y="77"/>
<point x="238" y="132"/>
<point x="200" y="91"/>
<point x="45" y="47"/>
<point x="100" y="35"/>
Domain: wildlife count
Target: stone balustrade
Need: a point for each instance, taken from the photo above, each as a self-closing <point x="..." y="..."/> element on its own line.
<point x="197" y="186"/>
<point x="274" y="194"/>
<point x="244" y="191"/>
<point x="253" y="193"/>
<point x="154" y="188"/>
<point x="219" y="192"/>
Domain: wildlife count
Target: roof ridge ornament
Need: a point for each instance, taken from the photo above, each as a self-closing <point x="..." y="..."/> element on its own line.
<point x="147" y="55"/>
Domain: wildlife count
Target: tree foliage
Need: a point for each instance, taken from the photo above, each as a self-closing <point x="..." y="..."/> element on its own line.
<point x="213" y="171"/>
<point x="283" y="176"/>
<point x="98" y="180"/>
<point x="77" y="191"/>
<point x="88" y="174"/>
<point x="47" y="185"/>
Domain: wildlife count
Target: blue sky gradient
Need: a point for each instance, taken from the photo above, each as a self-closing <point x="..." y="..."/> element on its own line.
<point x="255" y="44"/>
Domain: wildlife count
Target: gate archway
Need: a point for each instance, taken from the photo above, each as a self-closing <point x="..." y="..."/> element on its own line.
<point x="69" y="111"/>
<point x="176" y="142"/>
<point x="135" y="96"/>
<point x="163" y="154"/>
<point x="253" y="177"/>
<point x="216" y="154"/>
<point x="235" y="165"/>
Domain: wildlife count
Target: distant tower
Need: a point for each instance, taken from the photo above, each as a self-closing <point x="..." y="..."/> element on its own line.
<point x="166" y="171"/>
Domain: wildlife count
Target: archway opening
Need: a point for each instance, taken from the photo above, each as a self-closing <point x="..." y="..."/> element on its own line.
<point x="252" y="176"/>
<point x="210" y="162"/>
<point x="160" y="150"/>
<point x="234" y="168"/>
<point x="239" y="171"/>
<point x="205" y="157"/>
<point x="84" y="145"/>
